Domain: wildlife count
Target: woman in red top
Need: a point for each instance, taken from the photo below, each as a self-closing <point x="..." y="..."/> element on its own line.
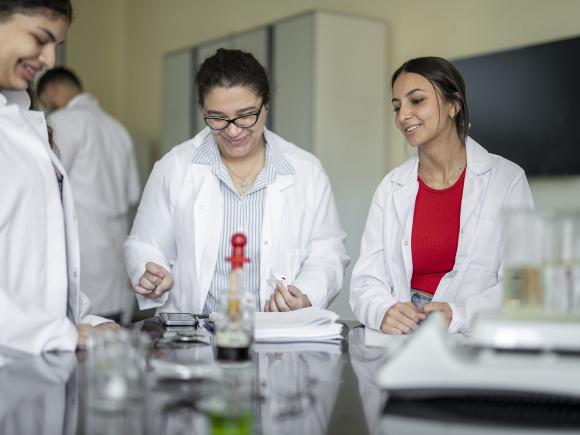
<point x="433" y="237"/>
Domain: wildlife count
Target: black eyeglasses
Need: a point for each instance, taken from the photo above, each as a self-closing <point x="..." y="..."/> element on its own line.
<point x="244" y="121"/>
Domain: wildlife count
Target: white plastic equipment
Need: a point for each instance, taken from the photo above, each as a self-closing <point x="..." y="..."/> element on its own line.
<point x="432" y="365"/>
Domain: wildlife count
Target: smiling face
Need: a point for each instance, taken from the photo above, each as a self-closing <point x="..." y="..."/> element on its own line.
<point x="28" y="46"/>
<point x="421" y="114"/>
<point x="236" y="143"/>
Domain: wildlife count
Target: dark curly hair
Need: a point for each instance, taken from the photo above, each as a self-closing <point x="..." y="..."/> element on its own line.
<point x="56" y="8"/>
<point x="445" y="79"/>
<point x="227" y="68"/>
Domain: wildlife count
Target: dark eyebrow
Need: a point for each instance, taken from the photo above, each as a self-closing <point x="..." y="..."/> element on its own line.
<point x="213" y="112"/>
<point x="49" y="34"/>
<point x="408" y="93"/>
<point x="245" y="109"/>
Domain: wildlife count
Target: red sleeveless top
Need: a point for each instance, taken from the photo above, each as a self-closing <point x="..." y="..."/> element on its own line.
<point x="435" y="233"/>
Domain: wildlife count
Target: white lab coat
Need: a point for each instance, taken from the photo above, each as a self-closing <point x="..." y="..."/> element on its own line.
<point x="36" y="397"/>
<point x="180" y="220"/>
<point x="39" y="257"/>
<point x="382" y="275"/>
<point x="97" y="153"/>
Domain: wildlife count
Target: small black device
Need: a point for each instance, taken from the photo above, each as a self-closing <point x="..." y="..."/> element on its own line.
<point x="180" y="319"/>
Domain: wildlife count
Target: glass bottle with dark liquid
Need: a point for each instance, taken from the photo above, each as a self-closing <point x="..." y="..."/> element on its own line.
<point x="235" y="322"/>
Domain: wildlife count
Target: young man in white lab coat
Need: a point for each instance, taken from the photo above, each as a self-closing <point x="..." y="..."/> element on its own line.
<point x="97" y="152"/>
<point x="41" y="306"/>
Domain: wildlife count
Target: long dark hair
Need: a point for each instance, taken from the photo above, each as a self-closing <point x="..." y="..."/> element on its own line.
<point x="446" y="80"/>
<point x="232" y="68"/>
<point x="29" y="7"/>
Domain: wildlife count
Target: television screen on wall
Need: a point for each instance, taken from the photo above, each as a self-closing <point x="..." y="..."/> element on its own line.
<point x="524" y="104"/>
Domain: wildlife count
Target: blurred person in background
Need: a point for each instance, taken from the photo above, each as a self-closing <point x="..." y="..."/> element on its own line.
<point x="97" y="153"/>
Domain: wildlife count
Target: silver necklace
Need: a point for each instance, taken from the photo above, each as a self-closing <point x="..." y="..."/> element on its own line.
<point x="244" y="184"/>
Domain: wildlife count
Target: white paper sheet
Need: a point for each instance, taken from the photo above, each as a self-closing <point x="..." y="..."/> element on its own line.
<point x="309" y="324"/>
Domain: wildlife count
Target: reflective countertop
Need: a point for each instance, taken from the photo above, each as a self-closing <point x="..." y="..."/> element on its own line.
<point x="285" y="389"/>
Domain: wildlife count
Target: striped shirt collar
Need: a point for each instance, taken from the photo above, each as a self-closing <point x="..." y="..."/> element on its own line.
<point x="207" y="154"/>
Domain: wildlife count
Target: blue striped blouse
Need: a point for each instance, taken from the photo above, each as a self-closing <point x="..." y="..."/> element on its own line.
<point x="242" y="213"/>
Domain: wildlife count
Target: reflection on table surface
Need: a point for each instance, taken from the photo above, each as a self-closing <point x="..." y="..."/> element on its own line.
<point x="38" y="395"/>
<point x="285" y="389"/>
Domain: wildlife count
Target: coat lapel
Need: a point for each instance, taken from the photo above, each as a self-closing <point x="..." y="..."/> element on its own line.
<point x="404" y="204"/>
<point x="479" y="162"/>
<point x="405" y="180"/>
<point x="72" y="242"/>
<point x="472" y="191"/>
<point x="274" y="206"/>
<point x="208" y="217"/>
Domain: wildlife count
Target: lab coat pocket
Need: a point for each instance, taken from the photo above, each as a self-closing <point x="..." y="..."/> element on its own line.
<point x="487" y="247"/>
<point x="286" y="266"/>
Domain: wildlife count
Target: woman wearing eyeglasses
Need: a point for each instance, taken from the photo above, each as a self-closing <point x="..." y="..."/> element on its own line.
<point x="236" y="176"/>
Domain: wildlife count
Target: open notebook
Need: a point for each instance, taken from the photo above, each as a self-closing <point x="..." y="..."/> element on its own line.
<point x="310" y="324"/>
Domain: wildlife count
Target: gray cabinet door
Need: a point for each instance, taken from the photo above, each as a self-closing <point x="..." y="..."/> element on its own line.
<point x="177" y="99"/>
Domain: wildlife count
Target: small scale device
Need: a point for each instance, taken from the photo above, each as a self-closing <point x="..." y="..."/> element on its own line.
<point x="181" y="319"/>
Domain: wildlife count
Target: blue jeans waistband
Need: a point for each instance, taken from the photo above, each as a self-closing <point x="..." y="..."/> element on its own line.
<point x="419" y="299"/>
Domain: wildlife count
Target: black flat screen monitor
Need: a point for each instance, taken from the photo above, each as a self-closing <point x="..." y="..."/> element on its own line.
<point x="524" y="105"/>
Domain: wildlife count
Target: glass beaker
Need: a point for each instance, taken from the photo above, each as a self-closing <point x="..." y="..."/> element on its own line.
<point x="561" y="277"/>
<point x="231" y="409"/>
<point x="523" y="260"/>
<point x="116" y="363"/>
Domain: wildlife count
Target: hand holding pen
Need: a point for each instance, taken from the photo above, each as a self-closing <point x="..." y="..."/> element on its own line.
<point x="286" y="298"/>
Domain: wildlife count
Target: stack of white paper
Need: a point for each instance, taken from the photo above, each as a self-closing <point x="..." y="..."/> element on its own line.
<point x="305" y="325"/>
<point x="331" y="346"/>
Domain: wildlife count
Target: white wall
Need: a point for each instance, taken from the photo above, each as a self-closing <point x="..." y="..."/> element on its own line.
<point x="349" y="114"/>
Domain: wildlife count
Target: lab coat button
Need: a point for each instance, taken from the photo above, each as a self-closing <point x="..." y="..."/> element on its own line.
<point x="266" y="243"/>
<point x="75" y="274"/>
<point x="405" y="243"/>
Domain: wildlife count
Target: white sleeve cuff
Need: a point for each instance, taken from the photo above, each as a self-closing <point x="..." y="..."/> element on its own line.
<point x="94" y="320"/>
<point x="379" y="316"/>
<point x="148" y="303"/>
<point x="457" y="320"/>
